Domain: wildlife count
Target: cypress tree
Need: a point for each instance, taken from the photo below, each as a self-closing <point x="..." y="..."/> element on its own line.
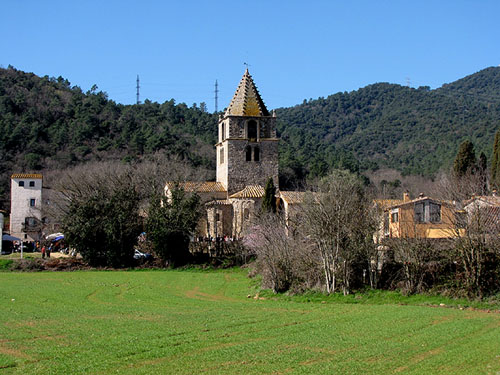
<point x="465" y="161"/>
<point x="495" y="161"/>
<point x="269" y="200"/>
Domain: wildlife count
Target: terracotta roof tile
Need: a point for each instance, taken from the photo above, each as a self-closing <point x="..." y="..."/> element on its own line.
<point x="293" y="197"/>
<point x="385" y="203"/>
<point x="199" y="187"/>
<point x="26" y="175"/>
<point x="250" y="191"/>
<point x="218" y="202"/>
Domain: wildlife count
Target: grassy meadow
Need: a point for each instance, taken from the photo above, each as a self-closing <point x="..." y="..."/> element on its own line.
<point x="202" y="322"/>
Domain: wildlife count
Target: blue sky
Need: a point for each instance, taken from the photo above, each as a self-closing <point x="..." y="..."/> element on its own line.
<point x="296" y="49"/>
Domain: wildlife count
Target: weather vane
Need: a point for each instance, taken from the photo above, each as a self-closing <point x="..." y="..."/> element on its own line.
<point x="246" y="64"/>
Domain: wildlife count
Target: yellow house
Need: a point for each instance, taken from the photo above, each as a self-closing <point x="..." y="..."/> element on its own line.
<point x="422" y="217"/>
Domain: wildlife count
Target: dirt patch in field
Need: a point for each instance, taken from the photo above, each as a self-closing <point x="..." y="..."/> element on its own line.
<point x="16" y="353"/>
<point x="196" y="294"/>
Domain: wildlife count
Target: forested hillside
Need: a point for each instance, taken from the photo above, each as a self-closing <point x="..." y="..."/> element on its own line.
<point x="416" y="131"/>
<point x="47" y="123"/>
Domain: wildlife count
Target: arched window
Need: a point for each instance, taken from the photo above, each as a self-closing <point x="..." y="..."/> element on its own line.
<point x="246" y="214"/>
<point x="256" y="154"/>
<point x="252" y="129"/>
<point x="248" y="152"/>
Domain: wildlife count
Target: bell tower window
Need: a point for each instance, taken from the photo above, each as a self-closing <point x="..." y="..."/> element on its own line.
<point x="252" y="129"/>
<point x="248" y="153"/>
<point x="223" y="131"/>
<point x="256" y="154"/>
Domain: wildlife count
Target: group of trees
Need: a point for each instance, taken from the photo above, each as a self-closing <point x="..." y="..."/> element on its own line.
<point x="104" y="207"/>
<point x="46" y="123"/>
<point x="323" y="243"/>
<point x="328" y="243"/>
<point x="415" y="131"/>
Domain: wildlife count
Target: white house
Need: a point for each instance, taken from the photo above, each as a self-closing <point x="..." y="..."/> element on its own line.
<point x="26" y="206"/>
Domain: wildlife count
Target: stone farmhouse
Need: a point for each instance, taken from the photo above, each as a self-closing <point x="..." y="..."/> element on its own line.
<point x="247" y="156"/>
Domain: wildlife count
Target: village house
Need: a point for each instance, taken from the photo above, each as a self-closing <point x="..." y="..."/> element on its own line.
<point x="26" y="206"/>
<point x="482" y="213"/>
<point x="422" y="217"/>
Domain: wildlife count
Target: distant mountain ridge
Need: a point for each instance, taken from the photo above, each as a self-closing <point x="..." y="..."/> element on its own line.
<point x="416" y="131"/>
<point x="47" y="123"/>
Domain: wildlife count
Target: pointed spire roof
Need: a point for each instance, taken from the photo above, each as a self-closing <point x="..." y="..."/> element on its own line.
<point x="246" y="100"/>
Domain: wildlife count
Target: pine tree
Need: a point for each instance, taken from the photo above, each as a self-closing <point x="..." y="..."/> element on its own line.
<point x="465" y="161"/>
<point x="269" y="200"/>
<point x="495" y="161"/>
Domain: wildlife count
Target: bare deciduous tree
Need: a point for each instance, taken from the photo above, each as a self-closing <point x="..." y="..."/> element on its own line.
<point x="338" y="221"/>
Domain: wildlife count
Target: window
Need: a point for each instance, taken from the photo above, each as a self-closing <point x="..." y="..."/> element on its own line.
<point x="21" y="183"/>
<point x="386" y="223"/>
<point x="419" y="212"/>
<point x="217" y="217"/>
<point x="221" y="156"/>
<point x="246" y="214"/>
<point x="32" y="183"/>
<point x="30" y="221"/>
<point x="223" y="131"/>
<point x="394" y="216"/>
<point x="32" y="202"/>
<point x="256" y="154"/>
<point x="435" y="212"/>
<point x="248" y="152"/>
<point x="252" y="129"/>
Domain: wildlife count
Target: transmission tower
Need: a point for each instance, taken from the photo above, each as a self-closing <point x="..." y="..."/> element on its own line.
<point x="216" y="95"/>
<point x="137" y="95"/>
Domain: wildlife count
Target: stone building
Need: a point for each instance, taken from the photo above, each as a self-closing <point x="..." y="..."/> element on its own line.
<point x="26" y="206"/>
<point x="247" y="156"/>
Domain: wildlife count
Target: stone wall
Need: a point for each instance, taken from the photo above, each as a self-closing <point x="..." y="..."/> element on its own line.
<point x="243" y="173"/>
<point x="233" y="170"/>
<point x="244" y="211"/>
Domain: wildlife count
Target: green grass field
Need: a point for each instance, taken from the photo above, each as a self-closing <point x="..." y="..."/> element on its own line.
<point x="194" y="322"/>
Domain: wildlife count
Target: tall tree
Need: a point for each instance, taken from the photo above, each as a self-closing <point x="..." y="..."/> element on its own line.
<point x="465" y="161"/>
<point x="495" y="162"/>
<point x="170" y="223"/>
<point x="101" y="216"/>
<point x="269" y="200"/>
<point x="339" y="224"/>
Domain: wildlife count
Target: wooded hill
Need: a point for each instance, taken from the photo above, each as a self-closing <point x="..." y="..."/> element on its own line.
<point x="416" y="131"/>
<point x="47" y="123"/>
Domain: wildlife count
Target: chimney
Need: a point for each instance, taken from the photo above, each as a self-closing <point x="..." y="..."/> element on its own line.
<point x="406" y="196"/>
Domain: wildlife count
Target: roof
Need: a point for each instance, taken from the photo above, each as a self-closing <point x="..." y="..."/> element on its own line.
<point x="246" y="100"/>
<point x="26" y="175"/>
<point x="250" y="191"/>
<point x="293" y="197"/>
<point x="420" y="199"/>
<point x="489" y="200"/>
<point x="199" y="187"/>
<point x="386" y="203"/>
<point x="218" y="202"/>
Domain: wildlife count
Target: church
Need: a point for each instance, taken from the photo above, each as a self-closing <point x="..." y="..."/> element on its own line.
<point x="247" y="156"/>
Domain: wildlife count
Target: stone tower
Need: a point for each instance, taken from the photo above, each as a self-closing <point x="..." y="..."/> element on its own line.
<point x="247" y="147"/>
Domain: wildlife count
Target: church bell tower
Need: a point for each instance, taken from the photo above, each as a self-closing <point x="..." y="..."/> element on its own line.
<point x="247" y="147"/>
